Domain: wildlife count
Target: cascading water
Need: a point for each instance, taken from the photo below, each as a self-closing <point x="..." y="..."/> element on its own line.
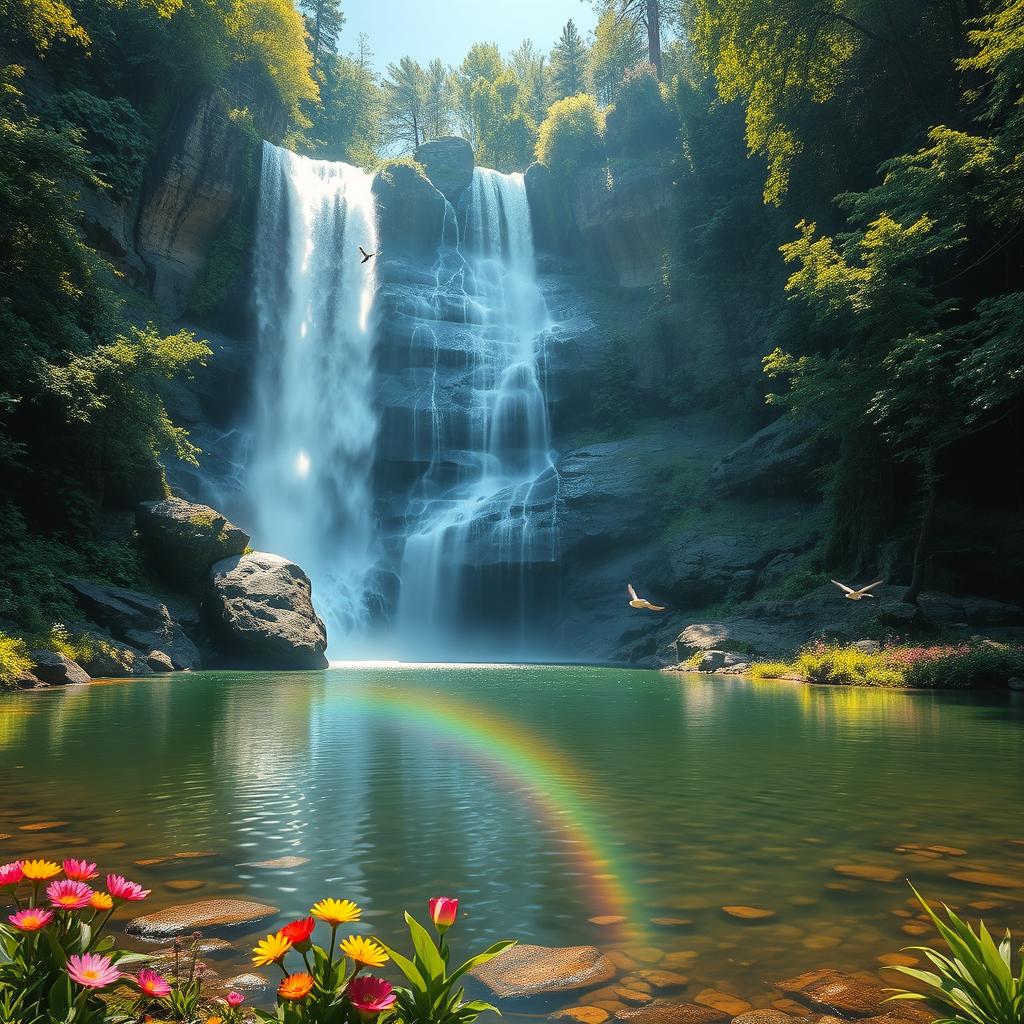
<point x="482" y="519"/>
<point x="310" y="463"/>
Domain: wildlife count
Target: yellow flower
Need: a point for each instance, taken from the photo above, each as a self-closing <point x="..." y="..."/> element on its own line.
<point x="214" y="1020"/>
<point x="336" y="911"/>
<point x="101" y="901"/>
<point x="40" y="870"/>
<point x="270" y="950"/>
<point x="364" y="951"/>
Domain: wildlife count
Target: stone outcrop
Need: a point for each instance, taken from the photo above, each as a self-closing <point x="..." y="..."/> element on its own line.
<point x="195" y="181"/>
<point x="410" y="212"/>
<point x="533" y="970"/>
<point x="778" y="460"/>
<point x="623" y="215"/>
<point x="189" y="917"/>
<point x="108" y="657"/>
<point x="57" y="669"/>
<point x="261" y="606"/>
<point x="138" y="620"/>
<point x="183" y="540"/>
<point x="448" y="161"/>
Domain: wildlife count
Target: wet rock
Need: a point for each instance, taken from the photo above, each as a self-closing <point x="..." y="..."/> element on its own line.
<point x="780" y="459"/>
<point x="989" y="879"/>
<point x="763" y="1016"/>
<point x="829" y="990"/>
<point x="531" y="970"/>
<point x="281" y="863"/>
<point x="410" y="211"/>
<point x="606" y="919"/>
<point x="672" y="922"/>
<point x="110" y="658"/>
<point x="190" y="917"/>
<point x="43" y="826"/>
<point x="262" y="606"/>
<point x="711" y="661"/>
<point x="622" y="960"/>
<point x="869" y="872"/>
<point x="183" y="540"/>
<point x="582" y="1014"/>
<point x="948" y="851"/>
<point x="247" y="983"/>
<point x="137" y="619"/>
<point x="158" y="661"/>
<point x="668" y="1011"/>
<point x="749" y="913"/>
<point x="663" y="979"/>
<point x="897" y="960"/>
<point x="646" y="954"/>
<point x="184" y="884"/>
<point x="57" y="669"/>
<point x="448" y="161"/>
<point x="204" y="947"/>
<point x="724" y="1001"/>
<point x="915" y="928"/>
<point x="632" y="996"/>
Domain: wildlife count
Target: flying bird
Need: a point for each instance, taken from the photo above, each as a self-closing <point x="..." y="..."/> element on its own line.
<point x="366" y="255"/>
<point x="855" y="595"/>
<point x="642" y="602"/>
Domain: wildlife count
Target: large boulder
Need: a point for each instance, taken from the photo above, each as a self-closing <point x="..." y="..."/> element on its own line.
<point x="533" y="970"/>
<point x="139" y="620"/>
<point x="57" y="669"/>
<point x="105" y="656"/>
<point x="184" y="540"/>
<point x="190" y="917"/>
<point x="262" y="605"/>
<point x="448" y="161"/>
<point x="778" y="460"/>
<point x="410" y="211"/>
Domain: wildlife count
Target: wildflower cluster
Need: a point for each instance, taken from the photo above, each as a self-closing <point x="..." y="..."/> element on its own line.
<point x="330" y="986"/>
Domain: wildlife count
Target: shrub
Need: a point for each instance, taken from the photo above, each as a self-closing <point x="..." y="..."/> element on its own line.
<point x="846" y="666"/>
<point x="770" y="670"/>
<point x="572" y="135"/>
<point x="14" y="659"/>
<point x="642" y="118"/>
<point x="974" y="983"/>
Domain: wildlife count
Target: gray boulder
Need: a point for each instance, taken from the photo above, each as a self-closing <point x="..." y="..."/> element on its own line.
<point x="184" y="540"/>
<point x="57" y="669"/>
<point x="448" y="161"/>
<point x="410" y="211"/>
<point x="261" y="604"/>
<point x="778" y="460"/>
<point x="140" y="620"/>
<point x="109" y="658"/>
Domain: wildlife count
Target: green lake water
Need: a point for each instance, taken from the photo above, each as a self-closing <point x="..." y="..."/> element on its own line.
<point x="542" y="798"/>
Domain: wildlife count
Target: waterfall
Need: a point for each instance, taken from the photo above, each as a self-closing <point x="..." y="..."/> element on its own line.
<point x="481" y="523"/>
<point x="310" y="463"/>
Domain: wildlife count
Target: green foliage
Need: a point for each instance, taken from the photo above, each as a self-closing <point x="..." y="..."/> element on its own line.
<point x="14" y="660"/>
<point x="642" y="119"/>
<point x="572" y="135"/>
<point x="506" y="132"/>
<point x="404" y="89"/>
<point x="617" y="47"/>
<point x="981" y="666"/>
<point x="569" y="63"/>
<point x="974" y="982"/>
<point x="615" y="393"/>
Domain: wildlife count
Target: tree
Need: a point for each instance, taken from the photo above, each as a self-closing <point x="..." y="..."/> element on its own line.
<point x="617" y="48"/>
<point x="505" y="132"/>
<point x="529" y="66"/>
<point x="438" y="107"/>
<point x="346" y="123"/>
<point x="483" y="61"/>
<point x="324" y="19"/>
<point x="405" y="90"/>
<point x="363" y="53"/>
<point x="646" y="15"/>
<point x="569" y="63"/>
<point x="571" y="136"/>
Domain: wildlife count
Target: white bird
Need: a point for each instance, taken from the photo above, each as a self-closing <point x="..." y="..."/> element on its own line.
<point x="366" y="255"/>
<point x="855" y="595"/>
<point x="642" y="602"/>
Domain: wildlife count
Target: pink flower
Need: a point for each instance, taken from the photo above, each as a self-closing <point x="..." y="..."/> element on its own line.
<point x="32" y="920"/>
<point x="11" y="874"/>
<point x="443" y="910"/>
<point x="69" y="895"/>
<point x="92" y="971"/>
<point x="152" y="984"/>
<point x="80" y="870"/>
<point x="121" y="889"/>
<point x="370" y="996"/>
<point x="234" y="999"/>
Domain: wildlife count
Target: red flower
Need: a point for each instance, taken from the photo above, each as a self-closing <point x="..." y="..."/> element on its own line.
<point x="298" y="932"/>
<point x="443" y="910"/>
<point x="370" y="996"/>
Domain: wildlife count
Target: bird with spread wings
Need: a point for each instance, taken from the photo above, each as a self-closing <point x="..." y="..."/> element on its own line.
<point x="642" y="602"/>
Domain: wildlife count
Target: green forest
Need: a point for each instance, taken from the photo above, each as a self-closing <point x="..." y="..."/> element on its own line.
<point x="847" y="195"/>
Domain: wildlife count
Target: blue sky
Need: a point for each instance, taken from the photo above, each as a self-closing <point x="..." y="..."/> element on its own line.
<point x="425" y="29"/>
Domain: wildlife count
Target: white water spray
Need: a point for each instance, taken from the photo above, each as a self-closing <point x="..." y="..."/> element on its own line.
<point x="312" y="454"/>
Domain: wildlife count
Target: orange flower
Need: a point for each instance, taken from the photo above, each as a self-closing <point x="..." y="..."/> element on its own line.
<point x="364" y="951"/>
<point x="101" y="901"/>
<point x="295" y="986"/>
<point x="40" y="870"/>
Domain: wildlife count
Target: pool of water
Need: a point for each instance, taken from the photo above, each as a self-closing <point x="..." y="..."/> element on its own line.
<point x="544" y="798"/>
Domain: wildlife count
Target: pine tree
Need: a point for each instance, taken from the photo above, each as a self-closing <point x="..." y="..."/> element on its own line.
<point x="324" y="19"/>
<point x="438" y="107"/>
<point x="569" y="62"/>
<point x="405" y="91"/>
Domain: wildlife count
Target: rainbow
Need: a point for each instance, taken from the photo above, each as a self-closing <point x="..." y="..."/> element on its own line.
<point x="514" y="753"/>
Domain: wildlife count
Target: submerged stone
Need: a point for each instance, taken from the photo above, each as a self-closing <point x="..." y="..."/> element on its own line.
<point x="531" y="970"/>
<point x="749" y="913"/>
<point x="724" y="1001"/>
<point x="281" y="863"/>
<point x="869" y="872"/>
<point x="668" y="1011"/>
<point x="989" y="879"/>
<point x="582" y="1014"/>
<point x="189" y="917"/>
